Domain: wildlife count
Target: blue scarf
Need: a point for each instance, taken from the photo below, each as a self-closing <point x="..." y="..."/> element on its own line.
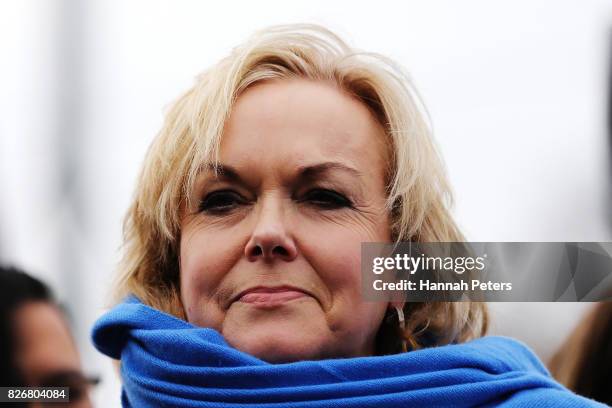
<point x="167" y="362"/>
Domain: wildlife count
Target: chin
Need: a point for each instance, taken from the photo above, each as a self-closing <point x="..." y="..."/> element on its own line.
<point x="281" y="344"/>
<point x="281" y="352"/>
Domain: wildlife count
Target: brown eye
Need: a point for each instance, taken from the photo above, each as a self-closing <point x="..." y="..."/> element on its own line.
<point x="221" y="201"/>
<point x="326" y="199"/>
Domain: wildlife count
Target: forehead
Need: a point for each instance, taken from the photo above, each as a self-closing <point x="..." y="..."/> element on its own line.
<point x="301" y="121"/>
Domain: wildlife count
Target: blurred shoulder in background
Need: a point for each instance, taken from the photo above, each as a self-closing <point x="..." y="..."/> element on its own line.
<point x="584" y="362"/>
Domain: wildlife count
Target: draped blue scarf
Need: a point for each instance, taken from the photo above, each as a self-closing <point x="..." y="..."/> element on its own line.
<point x="167" y="362"/>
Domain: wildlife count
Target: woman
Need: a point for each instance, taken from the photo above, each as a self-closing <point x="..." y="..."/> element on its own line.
<point x="242" y="263"/>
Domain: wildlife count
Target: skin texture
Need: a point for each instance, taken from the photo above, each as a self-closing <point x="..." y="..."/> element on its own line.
<point x="46" y="349"/>
<point x="268" y="219"/>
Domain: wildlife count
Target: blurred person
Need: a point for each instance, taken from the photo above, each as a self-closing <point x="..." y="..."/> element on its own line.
<point x="584" y="362"/>
<point x="36" y="346"/>
<point x="242" y="275"/>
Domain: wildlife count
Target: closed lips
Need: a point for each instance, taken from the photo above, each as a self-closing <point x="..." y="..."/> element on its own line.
<point x="262" y="294"/>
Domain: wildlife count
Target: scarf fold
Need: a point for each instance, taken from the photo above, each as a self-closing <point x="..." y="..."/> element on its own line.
<point x="167" y="362"/>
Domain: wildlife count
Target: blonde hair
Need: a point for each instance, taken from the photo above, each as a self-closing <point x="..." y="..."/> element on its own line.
<point x="419" y="196"/>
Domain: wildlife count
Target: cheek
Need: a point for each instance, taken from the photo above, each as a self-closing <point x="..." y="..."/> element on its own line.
<point x="350" y="314"/>
<point x="336" y="257"/>
<point x="205" y="259"/>
<point x="334" y="251"/>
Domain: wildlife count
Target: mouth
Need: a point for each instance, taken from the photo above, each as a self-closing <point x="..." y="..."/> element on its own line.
<point x="266" y="296"/>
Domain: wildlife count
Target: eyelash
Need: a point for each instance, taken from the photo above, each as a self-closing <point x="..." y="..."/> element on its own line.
<point x="327" y="199"/>
<point x="207" y="204"/>
<point x="320" y="197"/>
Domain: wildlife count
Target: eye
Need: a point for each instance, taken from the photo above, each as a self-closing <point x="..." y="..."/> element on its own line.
<point x="326" y="199"/>
<point x="221" y="201"/>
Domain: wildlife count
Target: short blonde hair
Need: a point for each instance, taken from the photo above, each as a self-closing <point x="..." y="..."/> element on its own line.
<point x="419" y="196"/>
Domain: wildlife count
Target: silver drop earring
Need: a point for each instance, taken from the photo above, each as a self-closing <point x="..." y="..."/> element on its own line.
<point x="402" y="326"/>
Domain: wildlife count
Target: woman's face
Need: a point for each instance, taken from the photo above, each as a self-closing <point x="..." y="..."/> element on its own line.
<point x="271" y="255"/>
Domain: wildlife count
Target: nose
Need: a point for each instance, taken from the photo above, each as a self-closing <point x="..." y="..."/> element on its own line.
<point x="271" y="238"/>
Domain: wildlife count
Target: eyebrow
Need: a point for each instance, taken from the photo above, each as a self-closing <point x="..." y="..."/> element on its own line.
<point x="317" y="170"/>
<point x="306" y="173"/>
<point x="225" y="171"/>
